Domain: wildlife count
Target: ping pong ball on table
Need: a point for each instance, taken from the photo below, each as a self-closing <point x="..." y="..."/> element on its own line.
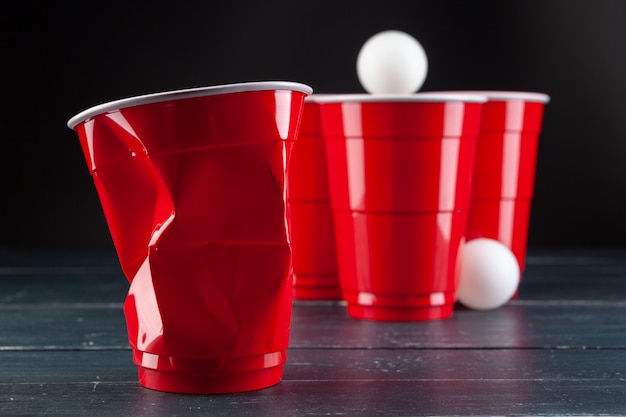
<point x="490" y="274"/>
<point x="392" y="62"/>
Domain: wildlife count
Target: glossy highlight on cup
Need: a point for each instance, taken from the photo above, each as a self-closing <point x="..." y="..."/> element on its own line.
<point x="311" y="225"/>
<point x="400" y="173"/>
<point x="504" y="172"/>
<point x="191" y="183"/>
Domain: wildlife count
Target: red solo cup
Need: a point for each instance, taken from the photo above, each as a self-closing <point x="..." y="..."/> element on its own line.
<point x="505" y="220"/>
<point x="504" y="171"/>
<point x="192" y="187"/>
<point x="400" y="174"/>
<point x="310" y="216"/>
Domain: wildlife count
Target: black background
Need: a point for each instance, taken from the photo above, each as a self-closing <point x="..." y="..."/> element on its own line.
<point x="61" y="58"/>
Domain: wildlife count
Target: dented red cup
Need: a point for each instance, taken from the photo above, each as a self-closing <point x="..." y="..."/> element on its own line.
<point x="504" y="171"/>
<point x="192" y="187"/>
<point x="311" y="226"/>
<point x="400" y="173"/>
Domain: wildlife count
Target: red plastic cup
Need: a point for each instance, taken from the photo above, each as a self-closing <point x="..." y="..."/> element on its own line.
<point x="504" y="172"/>
<point x="310" y="216"/>
<point x="400" y="174"/>
<point x="192" y="186"/>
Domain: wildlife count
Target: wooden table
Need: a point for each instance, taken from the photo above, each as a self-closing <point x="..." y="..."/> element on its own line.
<point x="558" y="349"/>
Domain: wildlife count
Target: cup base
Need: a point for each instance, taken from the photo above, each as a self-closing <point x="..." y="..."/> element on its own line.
<point x="400" y="307"/>
<point x="317" y="294"/>
<point x="213" y="383"/>
<point x="316" y="287"/>
<point x="382" y="313"/>
<point x="209" y="375"/>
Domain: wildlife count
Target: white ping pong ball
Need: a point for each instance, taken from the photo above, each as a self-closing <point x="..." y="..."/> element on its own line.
<point x="489" y="276"/>
<point x="392" y="62"/>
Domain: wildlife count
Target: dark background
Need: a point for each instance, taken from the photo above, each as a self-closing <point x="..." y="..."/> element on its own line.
<point x="60" y="58"/>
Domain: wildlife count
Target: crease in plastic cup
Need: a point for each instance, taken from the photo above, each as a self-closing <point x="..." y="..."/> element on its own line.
<point x="310" y="215"/>
<point x="191" y="183"/>
<point x="505" y="167"/>
<point x="400" y="174"/>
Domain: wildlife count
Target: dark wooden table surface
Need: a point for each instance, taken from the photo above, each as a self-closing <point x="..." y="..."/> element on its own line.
<point x="558" y="349"/>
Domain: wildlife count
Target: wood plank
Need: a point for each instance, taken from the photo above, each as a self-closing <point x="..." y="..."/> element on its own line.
<point x="524" y="326"/>
<point x="328" y="326"/>
<point x="54" y="327"/>
<point x="52" y="277"/>
<point x="64" y="366"/>
<point x="435" y="383"/>
<point x="317" y="398"/>
<point x="62" y="285"/>
<point x="16" y="257"/>
<point x="564" y="279"/>
<point x="96" y="277"/>
<point x="24" y="367"/>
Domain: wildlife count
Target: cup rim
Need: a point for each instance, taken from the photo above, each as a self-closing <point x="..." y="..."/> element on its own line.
<point x="421" y="97"/>
<point x="184" y="94"/>
<point x="505" y="95"/>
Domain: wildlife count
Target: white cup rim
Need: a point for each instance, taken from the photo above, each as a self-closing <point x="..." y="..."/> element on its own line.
<point x="504" y="95"/>
<point x="422" y="97"/>
<point x="184" y="94"/>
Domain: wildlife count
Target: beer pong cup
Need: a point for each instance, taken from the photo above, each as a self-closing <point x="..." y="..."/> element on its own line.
<point x="192" y="187"/>
<point x="400" y="173"/>
<point x="504" y="171"/>
<point x="310" y="216"/>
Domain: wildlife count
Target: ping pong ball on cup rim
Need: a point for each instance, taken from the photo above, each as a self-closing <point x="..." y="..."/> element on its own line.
<point x="392" y="62"/>
<point x="489" y="276"/>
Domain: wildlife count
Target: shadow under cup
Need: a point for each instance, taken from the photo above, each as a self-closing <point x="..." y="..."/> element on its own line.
<point x="192" y="186"/>
<point x="400" y="175"/>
